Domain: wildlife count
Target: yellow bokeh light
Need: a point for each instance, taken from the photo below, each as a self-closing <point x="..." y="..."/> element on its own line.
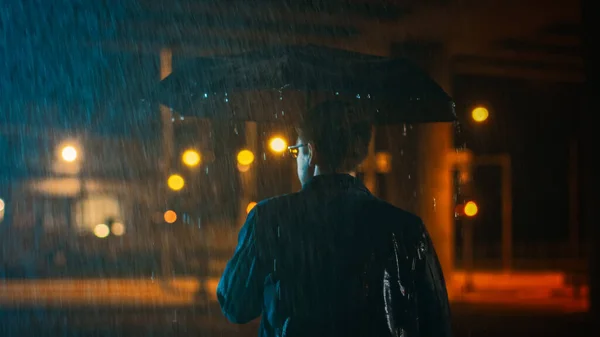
<point x="1" y="205"/>
<point x="69" y="153"/>
<point x="277" y="144"/>
<point x="250" y="206"/>
<point x="118" y="229"/>
<point x="101" y="230"/>
<point x="245" y="157"/>
<point x="175" y="182"/>
<point x="191" y="158"/>
<point x="480" y="114"/>
<point x="170" y="216"/>
<point x="471" y="208"/>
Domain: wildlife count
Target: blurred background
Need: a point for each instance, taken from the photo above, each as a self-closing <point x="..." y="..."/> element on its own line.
<point x="117" y="214"/>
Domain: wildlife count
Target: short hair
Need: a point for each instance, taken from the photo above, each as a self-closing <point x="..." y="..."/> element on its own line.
<point x="340" y="132"/>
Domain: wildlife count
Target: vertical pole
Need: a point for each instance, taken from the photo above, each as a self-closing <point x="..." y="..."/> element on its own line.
<point x="434" y="167"/>
<point x="468" y="253"/>
<point x="166" y="66"/>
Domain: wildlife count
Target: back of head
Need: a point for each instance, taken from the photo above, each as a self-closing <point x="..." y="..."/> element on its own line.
<point x="340" y="132"/>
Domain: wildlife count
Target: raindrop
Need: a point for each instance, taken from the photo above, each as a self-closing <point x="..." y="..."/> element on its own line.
<point x="402" y="152"/>
<point x="404" y="130"/>
<point x="172" y="119"/>
<point x="225" y="94"/>
<point x="409" y="176"/>
<point x="368" y="95"/>
<point x="235" y="129"/>
<point x="205" y="95"/>
<point x="264" y="156"/>
<point x="434" y="205"/>
<point x="226" y="100"/>
<point x="358" y="96"/>
<point x="206" y="170"/>
<point x="337" y="93"/>
<point x="181" y="118"/>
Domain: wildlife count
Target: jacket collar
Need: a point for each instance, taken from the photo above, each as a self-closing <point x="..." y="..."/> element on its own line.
<point x="336" y="181"/>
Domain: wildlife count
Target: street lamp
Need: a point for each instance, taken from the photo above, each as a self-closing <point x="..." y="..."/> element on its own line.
<point x="480" y="114"/>
<point x="470" y="210"/>
<point x="277" y="144"/>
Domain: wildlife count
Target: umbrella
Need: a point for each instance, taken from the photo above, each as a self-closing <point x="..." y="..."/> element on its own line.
<point x="252" y="86"/>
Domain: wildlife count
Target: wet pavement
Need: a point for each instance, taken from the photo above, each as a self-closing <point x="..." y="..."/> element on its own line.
<point x="468" y="319"/>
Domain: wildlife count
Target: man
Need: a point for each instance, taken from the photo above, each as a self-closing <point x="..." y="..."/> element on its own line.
<point x="332" y="259"/>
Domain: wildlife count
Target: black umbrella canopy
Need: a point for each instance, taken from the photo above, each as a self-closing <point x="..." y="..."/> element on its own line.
<point x="279" y="83"/>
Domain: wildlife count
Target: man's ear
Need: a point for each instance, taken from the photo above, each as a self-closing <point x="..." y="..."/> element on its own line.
<point x="312" y="155"/>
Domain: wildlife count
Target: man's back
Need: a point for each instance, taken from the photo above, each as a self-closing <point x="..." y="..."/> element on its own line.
<point x="334" y="260"/>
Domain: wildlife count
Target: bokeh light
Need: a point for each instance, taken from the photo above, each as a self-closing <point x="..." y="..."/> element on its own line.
<point x="480" y="114"/>
<point x="69" y="153"/>
<point x="277" y="144"/>
<point x="170" y="216"/>
<point x="101" y="230"/>
<point x="191" y="158"/>
<point x="117" y="229"/>
<point x="471" y="209"/>
<point x="175" y="182"/>
<point x="383" y="162"/>
<point x="245" y="157"/>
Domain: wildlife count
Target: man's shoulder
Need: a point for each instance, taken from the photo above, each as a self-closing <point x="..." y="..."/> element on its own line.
<point x="385" y="210"/>
<point x="278" y="203"/>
